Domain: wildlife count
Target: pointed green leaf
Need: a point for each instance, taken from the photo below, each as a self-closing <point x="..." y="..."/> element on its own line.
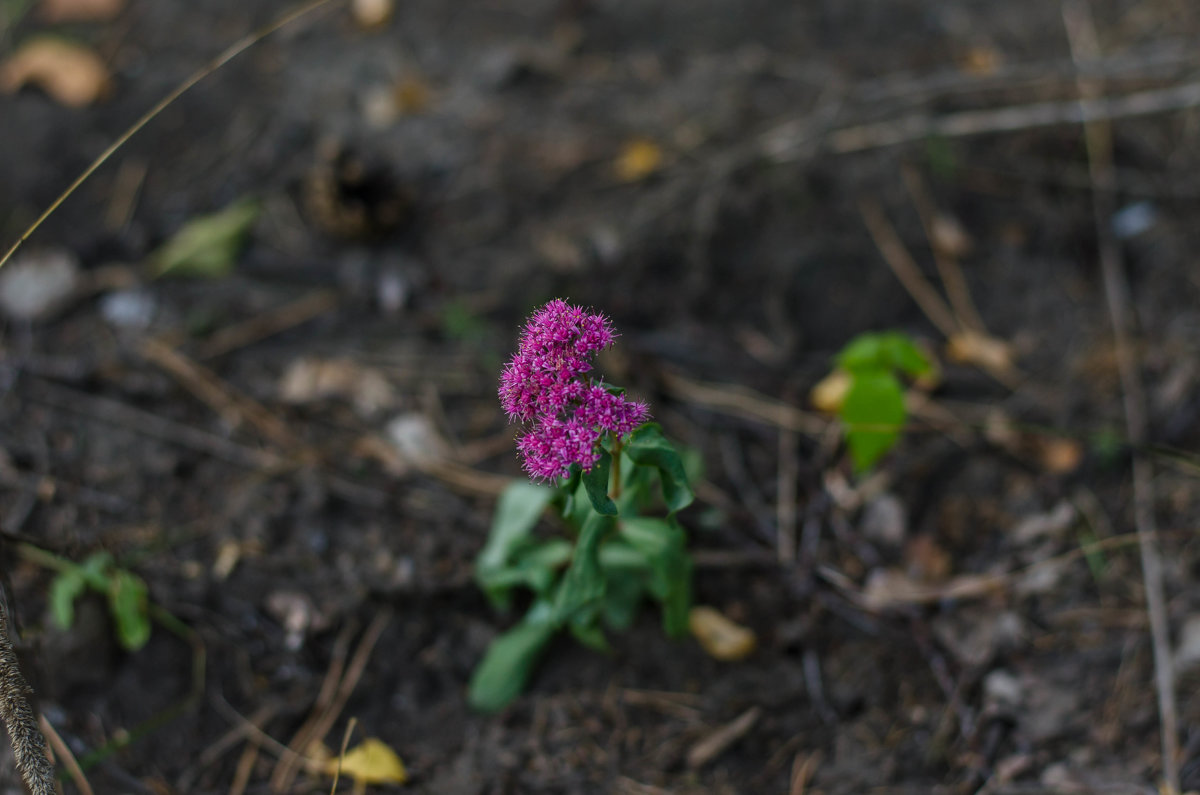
<point x="904" y="355"/>
<point x="595" y="480"/>
<point x="127" y="602"/>
<point x="874" y="414"/>
<point x="66" y="587"/>
<point x="648" y="447"/>
<point x="664" y="544"/>
<point x="517" y="513"/>
<point x="536" y="566"/>
<point x="207" y="246"/>
<point x="510" y="660"/>
<point x="584" y="581"/>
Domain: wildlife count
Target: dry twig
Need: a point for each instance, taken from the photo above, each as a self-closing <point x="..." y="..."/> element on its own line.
<point x="1098" y="138"/>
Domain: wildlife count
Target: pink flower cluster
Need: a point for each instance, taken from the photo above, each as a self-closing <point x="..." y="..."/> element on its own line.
<point x="545" y="384"/>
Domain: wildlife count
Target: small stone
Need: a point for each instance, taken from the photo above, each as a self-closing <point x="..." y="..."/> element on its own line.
<point x="129" y="309"/>
<point x="39" y="285"/>
<point x="884" y="520"/>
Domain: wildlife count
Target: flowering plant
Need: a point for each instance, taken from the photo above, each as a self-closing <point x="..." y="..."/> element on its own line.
<point x="602" y="466"/>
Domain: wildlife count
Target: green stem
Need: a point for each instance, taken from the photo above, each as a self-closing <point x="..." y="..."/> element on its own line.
<point x="615" y="491"/>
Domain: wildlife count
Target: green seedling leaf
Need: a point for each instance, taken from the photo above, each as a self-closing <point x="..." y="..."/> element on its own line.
<point x="873" y="413"/>
<point x="517" y="513"/>
<point x="864" y="352"/>
<point x="648" y="447"/>
<point x="66" y="587"/>
<point x="510" y="660"/>
<point x="95" y="570"/>
<point x="583" y="583"/>
<point x="208" y="246"/>
<point x="595" y="480"/>
<point x="904" y="355"/>
<point x="127" y="601"/>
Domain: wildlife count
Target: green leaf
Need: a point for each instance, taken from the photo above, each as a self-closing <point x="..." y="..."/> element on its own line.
<point x="583" y="628"/>
<point x="536" y="567"/>
<point x="583" y="583"/>
<point x="622" y="599"/>
<point x="903" y="354"/>
<point x="595" y="480"/>
<point x="648" y="447"/>
<point x="95" y="570"/>
<point x="517" y="513"/>
<point x="207" y="246"/>
<point x="864" y="352"/>
<point x="127" y="601"/>
<point x="65" y="588"/>
<point x="510" y="660"/>
<point x="664" y="543"/>
<point x="874" y="414"/>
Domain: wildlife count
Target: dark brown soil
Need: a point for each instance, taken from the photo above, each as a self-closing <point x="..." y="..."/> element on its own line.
<point x="294" y="542"/>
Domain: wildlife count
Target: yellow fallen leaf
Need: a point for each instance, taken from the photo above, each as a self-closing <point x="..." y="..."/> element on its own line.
<point x="70" y="73"/>
<point x="80" y="10"/>
<point x="981" y="350"/>
<point x="372" y="762"/>
<point x="830" y="392"/>
<point x="721" y="638"/>
<point x="371" y="14"/>
<point x="638" y="159"/>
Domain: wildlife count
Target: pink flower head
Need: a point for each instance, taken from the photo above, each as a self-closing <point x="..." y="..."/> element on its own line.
<point x="544" y="383"/>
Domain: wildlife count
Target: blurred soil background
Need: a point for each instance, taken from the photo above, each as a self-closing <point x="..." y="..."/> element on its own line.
<point x="298" y="445"/>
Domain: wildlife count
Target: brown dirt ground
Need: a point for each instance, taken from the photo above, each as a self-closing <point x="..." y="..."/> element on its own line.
<point x="743" y="263"/>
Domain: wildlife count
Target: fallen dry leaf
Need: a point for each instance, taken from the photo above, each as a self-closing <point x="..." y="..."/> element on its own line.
<point x="70" y="73"/>
<point x="830" y="392"/>
<point x="721" y="638"/>
<point x="372" y="762"/>
<point x="638" y="159"/>
<point x="990" y="354"/>
<point x="371" y="14"/>
<point x="56" y="11"/>
<point x="308" y="380"/>
<point x="949" y="237"/>
<point x="889" y="588"/>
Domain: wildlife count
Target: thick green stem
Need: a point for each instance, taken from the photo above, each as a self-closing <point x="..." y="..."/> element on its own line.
<point x="615" y="491"/>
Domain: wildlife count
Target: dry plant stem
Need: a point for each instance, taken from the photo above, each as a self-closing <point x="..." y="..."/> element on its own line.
<point x="785" y="499"/>
<point x="902" y="264"/>
<point x="948" y="268"/>
<point x="1098" y="137"/>
<point x="920" y="126"/>
<point x="63" y="752"/>
<point x="225" y="57"/>
<point x="29" y="746"/>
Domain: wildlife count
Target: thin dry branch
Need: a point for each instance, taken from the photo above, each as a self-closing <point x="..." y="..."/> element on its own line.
<point x="1098" y="137"/>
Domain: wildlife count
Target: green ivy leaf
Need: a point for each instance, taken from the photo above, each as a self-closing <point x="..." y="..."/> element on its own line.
<point x="510" y="659"/>
<point x="874" y="414"/>
<point x="596" y="480"/>
<point x="583" y="583"/>
<point x="648" y="447"/>
<point x="127" y="601"/>
<point x="904" y="355"/>
<point x="65" y="588"/>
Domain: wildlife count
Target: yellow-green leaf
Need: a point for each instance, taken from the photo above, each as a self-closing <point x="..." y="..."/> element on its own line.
<point x="372" y="762"/>
<point x="207" y="246"/>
